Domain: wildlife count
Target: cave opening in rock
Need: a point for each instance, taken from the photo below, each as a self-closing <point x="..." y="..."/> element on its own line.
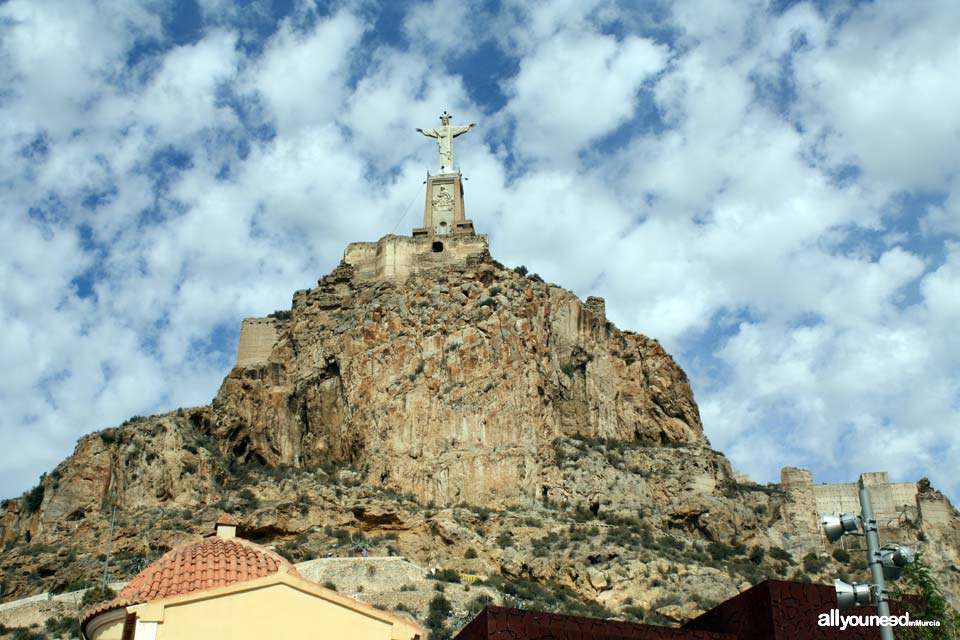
<point x="437" y="247"/>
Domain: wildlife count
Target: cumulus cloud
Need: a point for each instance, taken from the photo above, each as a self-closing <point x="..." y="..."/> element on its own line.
<point x="883" y="93"/>
<point x="443" y="29"/>
<point x="301" y="74"/>
<point x="575" y="87"/>
<point x="772" y="194"/>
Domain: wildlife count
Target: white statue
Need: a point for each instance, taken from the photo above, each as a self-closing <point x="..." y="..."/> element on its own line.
<point x="445" y="135"/>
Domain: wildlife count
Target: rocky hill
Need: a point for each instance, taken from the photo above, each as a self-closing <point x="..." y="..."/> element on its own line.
<point x="467" y="416"/>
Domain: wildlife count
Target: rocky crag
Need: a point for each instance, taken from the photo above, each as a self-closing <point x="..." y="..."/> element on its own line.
<point x="469" y="417"/>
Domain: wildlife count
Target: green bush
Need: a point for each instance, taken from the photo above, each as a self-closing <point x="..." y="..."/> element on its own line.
<point x="437" y="614"/>
<point x="841" y="555"/>
<point x="931" y="604"/>
<point x="65" y="626"/>
<point x="780" y="554"/>
<point x="477" y="605"/>
<point x="96" y="595"/>
<point x="813" y="563"/>
<point x="447" y="575"/>
<point x="34" y="498"/>
<point x="634" y="612"/>
<point x="249" y="499"/>
<point x="719" y="550"/>
<point x="470" y="553"/>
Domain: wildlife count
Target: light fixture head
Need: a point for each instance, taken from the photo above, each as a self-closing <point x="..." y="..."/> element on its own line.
<point x="834" y="527"/>
<point x="894" y="557"/>
<point x="849" y="595"/>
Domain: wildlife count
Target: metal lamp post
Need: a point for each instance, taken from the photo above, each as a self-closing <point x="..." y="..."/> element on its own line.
<point x="873" y="559"/>
<point x="888" y="560"/>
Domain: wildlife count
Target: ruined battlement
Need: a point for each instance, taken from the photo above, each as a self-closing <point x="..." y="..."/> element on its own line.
<point x="397" y="257"/>
<point x="257" y="337"/>
<point x="893" y="502"/>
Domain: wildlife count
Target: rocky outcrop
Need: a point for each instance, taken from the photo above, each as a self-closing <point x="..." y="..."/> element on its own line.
<point x="451" y="384"/>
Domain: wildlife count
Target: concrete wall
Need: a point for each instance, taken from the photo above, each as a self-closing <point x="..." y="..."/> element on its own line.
<point x="400" y="256"/>
<point x="40" y="597"/>
<point x="257" y="337"/>
<point x="71" y="598"/>
<point x="373" y="574"/>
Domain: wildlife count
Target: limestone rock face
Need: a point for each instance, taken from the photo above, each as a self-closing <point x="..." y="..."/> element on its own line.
<point x="451" y="384"/>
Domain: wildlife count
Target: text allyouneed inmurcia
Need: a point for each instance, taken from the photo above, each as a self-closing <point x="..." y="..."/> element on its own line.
<point x="834" y="619"/>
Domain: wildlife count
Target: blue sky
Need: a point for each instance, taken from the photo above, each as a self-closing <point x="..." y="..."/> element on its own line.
<point x="768" y="188"/>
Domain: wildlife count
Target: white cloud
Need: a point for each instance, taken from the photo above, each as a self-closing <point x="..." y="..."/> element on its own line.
<point x="301" y="75"/>
<point x="527" y="25"/>
<point x="443" y="29"/>
<point x="181" y="99"/>
<point x="576" y="87"/>
<point x="884" y="91"/>
<point x="59" y="54"/>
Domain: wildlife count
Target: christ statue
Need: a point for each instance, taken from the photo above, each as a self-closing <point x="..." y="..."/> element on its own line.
<point x="445" y="135"/>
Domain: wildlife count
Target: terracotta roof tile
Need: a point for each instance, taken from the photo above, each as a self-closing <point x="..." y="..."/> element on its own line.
<point x="207" y="563"/>
<point x="228" y="520"/>
<point x="97" y="609"/>
<point x="203" y="564"/>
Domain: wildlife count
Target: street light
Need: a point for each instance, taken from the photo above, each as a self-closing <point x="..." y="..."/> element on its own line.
<point x="887" y="562"/>
<point x="894" y="557"/>
<point x="835" y="527"/>
<point x="851" y="594"/>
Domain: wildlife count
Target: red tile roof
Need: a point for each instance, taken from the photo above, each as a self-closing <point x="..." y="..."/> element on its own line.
<point x="207" y="563"/>
<point x="203" y="564"/>
<point x="228" y="520"/>
<point x="101" y="607"/>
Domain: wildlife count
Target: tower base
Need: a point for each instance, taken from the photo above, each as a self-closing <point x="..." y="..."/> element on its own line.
<point x="443" y="209"/>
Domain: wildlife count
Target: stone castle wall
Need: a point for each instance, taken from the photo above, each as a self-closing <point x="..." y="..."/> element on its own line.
<point x="257" y="337"/>
<point x="935" y="509"/>
<point x="893" y="503"/>
<point x="401" y="256"/>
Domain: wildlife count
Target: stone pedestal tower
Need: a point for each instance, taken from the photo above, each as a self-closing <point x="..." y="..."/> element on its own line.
<point x="443" y="210"/>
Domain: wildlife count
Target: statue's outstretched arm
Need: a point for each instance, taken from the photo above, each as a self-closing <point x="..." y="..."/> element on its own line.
<point x="430" y="133"/>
